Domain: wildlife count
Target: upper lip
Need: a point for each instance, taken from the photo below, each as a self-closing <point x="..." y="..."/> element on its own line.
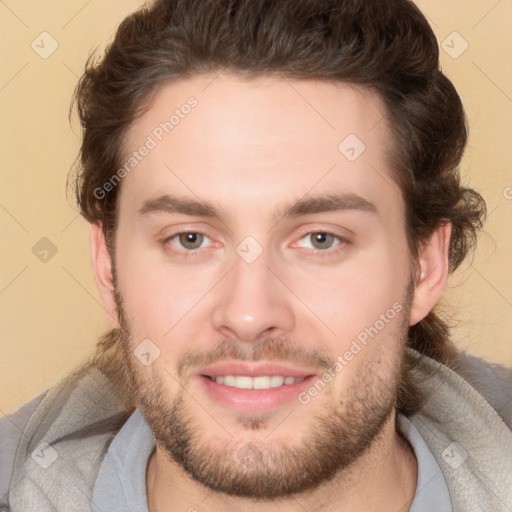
<point x="254" y="369"/>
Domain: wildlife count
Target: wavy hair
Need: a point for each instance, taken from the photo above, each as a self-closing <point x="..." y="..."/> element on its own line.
<point x="386" y="46"/>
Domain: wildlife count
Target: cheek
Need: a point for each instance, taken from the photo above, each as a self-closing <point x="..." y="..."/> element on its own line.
<point x="157" y="297"/>
<point x="351" y="296"/>
<point x="163" y="300"/>
<point x="155" y="293"/>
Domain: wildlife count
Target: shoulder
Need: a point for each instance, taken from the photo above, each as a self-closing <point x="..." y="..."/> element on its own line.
<point x="12" y="427"/>
<point x="78" y="418"/>
<point x="493" y="381"/>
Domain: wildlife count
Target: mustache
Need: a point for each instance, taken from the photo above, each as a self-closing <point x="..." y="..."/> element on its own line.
<point x="271" y="349"/>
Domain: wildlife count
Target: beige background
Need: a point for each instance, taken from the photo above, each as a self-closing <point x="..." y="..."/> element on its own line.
<point x="50" y="311"/>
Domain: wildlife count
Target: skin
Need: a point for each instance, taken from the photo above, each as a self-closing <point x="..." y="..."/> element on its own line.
<point x="250" y="148"/>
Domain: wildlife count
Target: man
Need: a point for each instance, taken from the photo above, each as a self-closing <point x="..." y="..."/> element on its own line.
<point x="275" y="208"/>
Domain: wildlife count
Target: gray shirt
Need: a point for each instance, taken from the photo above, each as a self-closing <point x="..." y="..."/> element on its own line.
<point x="121" y="482"/>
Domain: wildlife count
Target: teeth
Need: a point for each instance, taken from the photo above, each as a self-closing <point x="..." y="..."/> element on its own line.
<point x="276" y="381"/>
<point x="246" y="382"/>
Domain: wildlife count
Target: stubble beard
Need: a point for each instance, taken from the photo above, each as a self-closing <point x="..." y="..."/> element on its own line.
<point x="260" y="469"/>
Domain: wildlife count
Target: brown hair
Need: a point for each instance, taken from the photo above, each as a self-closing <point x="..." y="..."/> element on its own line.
<point x="384" y="45"/>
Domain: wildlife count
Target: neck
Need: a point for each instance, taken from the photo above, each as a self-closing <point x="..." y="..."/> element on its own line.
<point x="383" y="479"/>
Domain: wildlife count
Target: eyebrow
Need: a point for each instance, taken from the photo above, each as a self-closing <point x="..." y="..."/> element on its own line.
<point x="307" y="205"/>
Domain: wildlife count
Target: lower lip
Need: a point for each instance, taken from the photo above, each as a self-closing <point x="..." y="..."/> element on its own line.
<point x="254" y="400"/>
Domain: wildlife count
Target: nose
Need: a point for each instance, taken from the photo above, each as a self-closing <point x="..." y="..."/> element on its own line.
<point x="253" y="303"/>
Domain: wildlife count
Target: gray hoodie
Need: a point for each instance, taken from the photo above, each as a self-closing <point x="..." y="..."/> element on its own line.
<point x="51" y="449"/>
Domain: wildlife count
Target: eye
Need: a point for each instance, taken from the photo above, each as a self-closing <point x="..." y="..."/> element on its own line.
<point x="188" y="240"/>
<point x="321" y="240"/>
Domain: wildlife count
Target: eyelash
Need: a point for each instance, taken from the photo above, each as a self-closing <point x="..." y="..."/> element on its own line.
<point x="187" y="254"/>
<point x="326" y="252"/>
<point x="342" y="241"/>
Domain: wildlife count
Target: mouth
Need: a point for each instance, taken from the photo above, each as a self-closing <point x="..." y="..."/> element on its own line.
<point x="261" y="382"/>
<point x="254" y="387"/>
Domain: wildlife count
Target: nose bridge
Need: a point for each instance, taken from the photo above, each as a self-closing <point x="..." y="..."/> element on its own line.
<point x="252" y="300"/>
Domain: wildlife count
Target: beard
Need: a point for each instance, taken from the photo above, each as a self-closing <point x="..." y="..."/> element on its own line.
<point x="337" y="436"/>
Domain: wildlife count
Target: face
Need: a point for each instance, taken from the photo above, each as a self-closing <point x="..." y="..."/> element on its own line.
<point x="261" y="254"/>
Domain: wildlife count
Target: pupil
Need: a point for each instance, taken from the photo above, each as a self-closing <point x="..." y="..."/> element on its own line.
<point x="191" y="240"/>
<point x="322" y="238"/>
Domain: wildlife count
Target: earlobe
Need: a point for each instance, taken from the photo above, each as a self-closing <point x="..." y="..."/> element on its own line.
<point x="432" y="273"/>
<point x="102" y="269"/>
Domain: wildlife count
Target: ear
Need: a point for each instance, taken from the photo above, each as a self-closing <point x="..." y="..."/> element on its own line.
<point x="102" y="270"/>
<point x="431" y="273"/>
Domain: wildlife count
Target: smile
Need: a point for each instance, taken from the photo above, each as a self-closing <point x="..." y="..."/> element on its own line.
<point x="261" y="382"/>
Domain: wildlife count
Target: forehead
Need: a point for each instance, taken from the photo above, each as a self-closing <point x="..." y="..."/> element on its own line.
<point x="234" y="140"/>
